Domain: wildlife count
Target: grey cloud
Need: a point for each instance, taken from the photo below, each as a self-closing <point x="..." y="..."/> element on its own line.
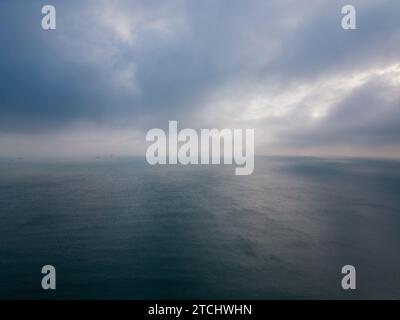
<point x="369" y="116"/>
<point x="138" y="64"/>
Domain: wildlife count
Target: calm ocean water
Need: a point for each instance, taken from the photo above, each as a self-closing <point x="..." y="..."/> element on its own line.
<point x="119" y="228"/>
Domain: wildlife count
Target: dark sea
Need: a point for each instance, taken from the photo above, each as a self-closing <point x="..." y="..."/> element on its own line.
<point x="118" y="228"/>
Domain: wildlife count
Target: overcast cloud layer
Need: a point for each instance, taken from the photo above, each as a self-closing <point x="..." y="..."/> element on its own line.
<point x="114" y="69"/>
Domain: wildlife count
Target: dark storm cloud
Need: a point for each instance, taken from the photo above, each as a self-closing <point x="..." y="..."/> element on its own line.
<point x="40" y="87"/>
<point x="319" y="46"/>
<point x="141" y="63"/>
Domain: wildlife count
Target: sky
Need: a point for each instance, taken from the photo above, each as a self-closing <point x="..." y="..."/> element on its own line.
<point x="112" y="70"/>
